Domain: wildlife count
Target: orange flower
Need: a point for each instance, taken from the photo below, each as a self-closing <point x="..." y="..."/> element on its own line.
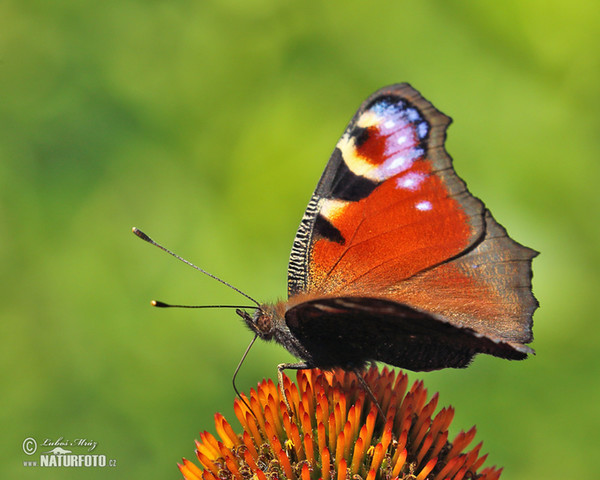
<point x="336" y="433"/>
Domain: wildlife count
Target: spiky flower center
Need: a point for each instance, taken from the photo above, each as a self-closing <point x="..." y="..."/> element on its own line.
<point x="334" y="432"/>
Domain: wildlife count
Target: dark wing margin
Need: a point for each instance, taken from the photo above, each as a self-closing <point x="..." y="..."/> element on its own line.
<point x="348" y="332"/>
<point x="504" y="265"/>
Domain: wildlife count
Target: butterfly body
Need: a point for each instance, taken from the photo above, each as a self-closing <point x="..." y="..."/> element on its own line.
<point x="395" y="260"/>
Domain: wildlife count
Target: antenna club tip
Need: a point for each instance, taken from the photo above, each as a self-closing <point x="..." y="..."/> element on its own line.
<point x="156" y="303"/>
<point x="137" y="232"/>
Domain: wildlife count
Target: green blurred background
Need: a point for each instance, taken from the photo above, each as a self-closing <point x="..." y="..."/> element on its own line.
<point x="208" y="124"/>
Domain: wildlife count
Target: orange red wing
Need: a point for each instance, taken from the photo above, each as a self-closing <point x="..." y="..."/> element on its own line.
<point x="390" y="219"/>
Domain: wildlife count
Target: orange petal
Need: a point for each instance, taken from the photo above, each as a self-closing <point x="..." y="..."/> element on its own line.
<point x="342" y="467"/>
<point x="285" y="464"/>
<point x="400" y="461"/>
<point x="427" y="469"/>
<point x="189" y="470"/>
<point x="325" y="464"/>
<point x="230" y="439"/>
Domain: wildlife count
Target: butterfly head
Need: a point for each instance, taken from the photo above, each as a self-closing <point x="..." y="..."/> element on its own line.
<point x="261" y="322"/>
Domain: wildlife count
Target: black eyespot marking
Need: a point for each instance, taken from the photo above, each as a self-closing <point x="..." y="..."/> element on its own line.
<point x="360" y="135"/>
<point x="346" y="185"/>
<point x="326" y="230"/>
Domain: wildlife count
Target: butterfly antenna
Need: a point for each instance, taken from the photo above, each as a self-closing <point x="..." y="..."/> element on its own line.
<point x="237" y="369"/>
<point x="159" y="304"/>
<point x="146" y="238"/>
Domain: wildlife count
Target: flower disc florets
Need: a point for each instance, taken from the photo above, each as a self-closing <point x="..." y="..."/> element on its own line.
<point x="335" y="432"/>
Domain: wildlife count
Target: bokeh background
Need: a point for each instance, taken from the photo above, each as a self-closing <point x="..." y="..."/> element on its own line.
<point x="208" y="124"/>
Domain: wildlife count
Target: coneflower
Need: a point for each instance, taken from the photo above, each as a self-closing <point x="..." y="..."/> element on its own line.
<point x="334" y="432"/>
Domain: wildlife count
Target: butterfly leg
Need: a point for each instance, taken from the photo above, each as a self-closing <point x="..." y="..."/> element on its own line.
<point x="369" y="392"/>
<point x="237" y="392"/>
<point x="289" y="366"/>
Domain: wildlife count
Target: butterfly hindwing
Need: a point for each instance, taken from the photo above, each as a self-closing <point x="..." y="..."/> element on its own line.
<point x="347" y="331"/>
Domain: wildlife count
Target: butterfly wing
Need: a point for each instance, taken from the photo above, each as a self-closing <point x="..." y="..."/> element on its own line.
<point x="390" y="219"/>
<point x="349" y="331"/>
<point x="388" y="205"/>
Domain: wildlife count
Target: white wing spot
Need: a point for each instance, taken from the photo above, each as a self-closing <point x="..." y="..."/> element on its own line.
<point x="412" y="114"/>
<point x="424" y="206"/>
<point x="398" y="163"/>
<point x="410" y="181"/>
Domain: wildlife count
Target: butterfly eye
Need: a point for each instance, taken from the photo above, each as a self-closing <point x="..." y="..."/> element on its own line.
<point x="260" y="322"/>
<point x="264" y="323"/>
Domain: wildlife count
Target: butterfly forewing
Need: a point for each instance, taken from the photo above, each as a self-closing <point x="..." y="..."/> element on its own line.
<point x="388" y="205"/>
<point x="487" y="288"/>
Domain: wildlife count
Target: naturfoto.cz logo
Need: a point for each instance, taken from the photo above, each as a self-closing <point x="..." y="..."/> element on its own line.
<point x="61" y="453"/>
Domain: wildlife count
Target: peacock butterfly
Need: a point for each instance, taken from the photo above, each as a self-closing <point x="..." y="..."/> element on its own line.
<point x="394" y="260"/>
